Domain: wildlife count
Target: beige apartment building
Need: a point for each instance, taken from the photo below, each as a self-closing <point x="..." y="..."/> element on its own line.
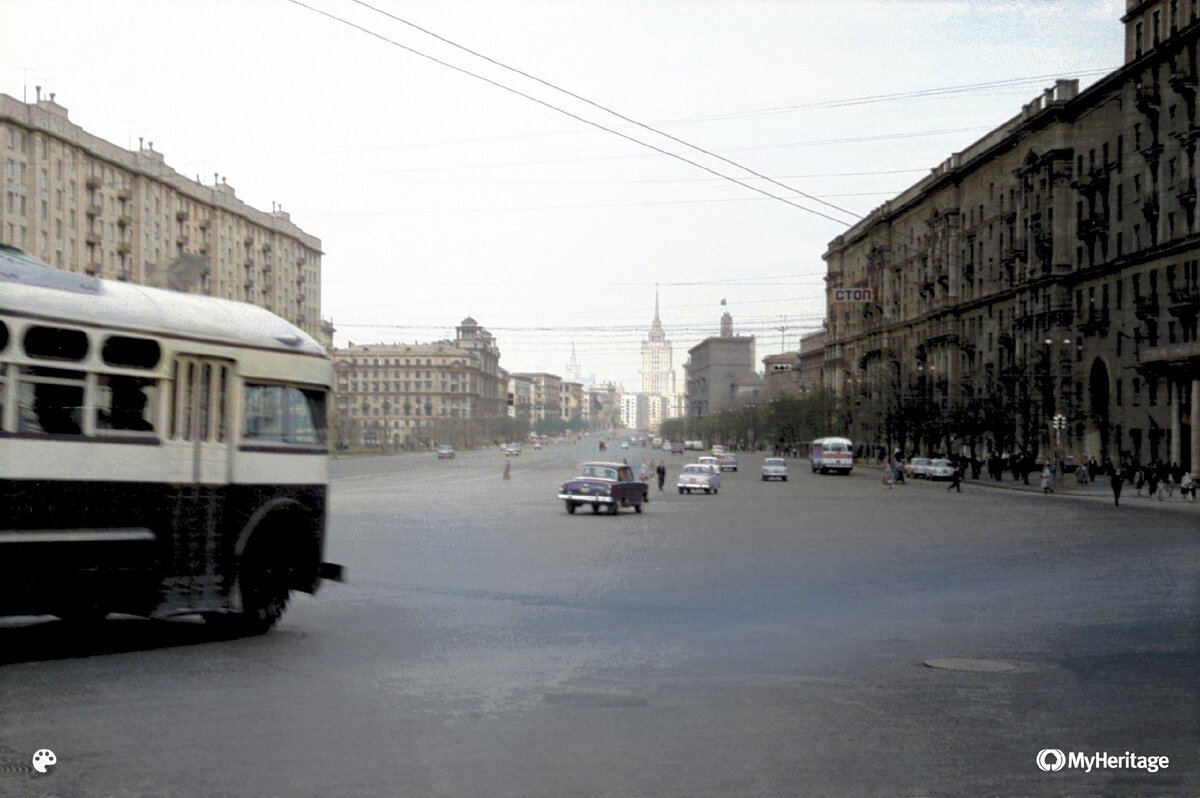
<point x="1038" y="291"/>
<point x="547" y="395"/>
<point x="86" y="205"/>
<point x="720" y="372"/>
<point x="417" y="395"/>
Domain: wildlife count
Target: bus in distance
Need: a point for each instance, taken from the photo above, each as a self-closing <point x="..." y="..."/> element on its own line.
<point x="161" y="453"/>
<point x="831" y="454"/>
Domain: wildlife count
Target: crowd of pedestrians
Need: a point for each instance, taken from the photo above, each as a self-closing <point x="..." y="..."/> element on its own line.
<point x="1158" y="480"/>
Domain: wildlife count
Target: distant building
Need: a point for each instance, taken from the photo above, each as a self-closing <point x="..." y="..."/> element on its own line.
<point x="398" y="395"/>
<point x="86" y="205"/>
<point x="720" y="372"/>
<point x="571" y="402"/>
<point x="781" y="374"/>
<point x="520" y="397"/>
<point x="604" y="400"/>
<point x="812" y="362"/>
<point x="547" y="400"/>
<point x="658" y="369"/>
<point x="635" y="411"/>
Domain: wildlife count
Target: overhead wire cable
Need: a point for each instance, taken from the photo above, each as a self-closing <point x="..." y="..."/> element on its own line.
<point x="604" y="108"/>
<point x="565" y="112"/>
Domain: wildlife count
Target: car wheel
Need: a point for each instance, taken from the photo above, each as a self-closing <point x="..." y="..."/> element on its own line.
<point x="784" y="479"/>
<point x="637" y="508"/>
<point x="614" y="508"/>
<point x="716" y="491"/>
<point x="681" y="491"/>
<point x="595" y="508"/>
<point x="764" y="479"/>
<point x="570" y="508"/>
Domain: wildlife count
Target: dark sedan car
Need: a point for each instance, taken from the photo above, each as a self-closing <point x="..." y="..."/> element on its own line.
<point x="610" y="485"/>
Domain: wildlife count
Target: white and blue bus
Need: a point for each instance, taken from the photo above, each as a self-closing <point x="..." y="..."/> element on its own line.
<point x="160" y="453"/>
<point x="831" y="454"/>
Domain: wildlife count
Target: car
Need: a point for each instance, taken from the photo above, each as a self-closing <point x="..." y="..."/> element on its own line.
<point x="602" y="484"/>
<point x="718" y="449"/>
<point x="624" y="444"/>
<point x="445" y="452"/>
<point x="727" y="462"/>
<point x="709" y="460"/>
<point x="775" y="468"/>
<point x="917" y="467"/>
<point x="698" y="476"/>
<point x="676" y="447"/>
<point x="537" y="446"/>
<point x="512" y="449"/>
<point x="939" y="469"/>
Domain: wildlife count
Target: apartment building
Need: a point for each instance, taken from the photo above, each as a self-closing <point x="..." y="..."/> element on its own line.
<point x="86" y="205"/>
<point x="547" y="395"/>
<point x="1038" y="291"/>
<point x="720" y="372"/>
<point x="417" y="395"/>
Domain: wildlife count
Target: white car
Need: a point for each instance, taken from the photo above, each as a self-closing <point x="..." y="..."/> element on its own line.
<point x="774" y="468"/>
<point x="917" y="468"/>
<point x="699" y="477"/>
<point x="708" y="460"/>
<point x="939" y="469"/>
<point x="718" y="449"/>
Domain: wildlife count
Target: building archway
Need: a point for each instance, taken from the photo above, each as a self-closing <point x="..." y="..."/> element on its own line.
<point x="1100" y="426"/>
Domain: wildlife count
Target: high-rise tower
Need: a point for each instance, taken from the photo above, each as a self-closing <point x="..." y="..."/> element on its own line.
<point x="658" y="372"/>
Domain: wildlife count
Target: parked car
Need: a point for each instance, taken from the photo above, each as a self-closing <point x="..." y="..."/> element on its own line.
<point x="774" y="468"/>
<point x="699" y="477"/>
<point x="727" y="462"/>
<point x="610" y="485"/>
<point x="917" y="467"/>
<point x="445" y="452"/>
<point x="939" y="469"/>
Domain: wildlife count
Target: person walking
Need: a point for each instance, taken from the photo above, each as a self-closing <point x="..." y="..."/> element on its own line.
<point x="1116" y="480"/>
<point x="956" y="478"/>
<point x="1047" y="479"/>
<point x="507" y="470"/>
<point x="661" y="471"/>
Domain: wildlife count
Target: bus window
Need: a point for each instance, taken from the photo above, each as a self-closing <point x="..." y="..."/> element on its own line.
<point x="284" y="414"/>
<point x="125" y="404"/>
<point x="50" y="401"/>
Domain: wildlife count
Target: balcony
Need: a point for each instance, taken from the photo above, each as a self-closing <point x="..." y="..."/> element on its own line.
<point x="1148" y="99"/>
<point x="124" y="220"/>
<point x="182" y="240"/>
<point x="125" y="194"/>
<point x="1093" y="228"/>
<point x="181" y="215"/>
<point x="92" y="239"/>
<point x="95" y="209"/>
<point x="1146" y="307"/>
<point x="94" y="269"/>
<point x="92" y="182"/>
<point x="249" y="281"/>
<point x="1184" y="302"/>
<point x="300" y="279"/>
<point x="124" y="248"/>
<point x="248" y="262"/>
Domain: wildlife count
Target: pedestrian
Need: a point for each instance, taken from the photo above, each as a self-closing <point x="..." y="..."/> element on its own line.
<point x="662" y="473"/>
<point x="956" y="478"/>
<point x="1116" y="481"/>
<point x="507" y="470"/>
<point x="1139" y="480"/>
<point x="1187" y="488"/>
<point x="1047" y="479"/>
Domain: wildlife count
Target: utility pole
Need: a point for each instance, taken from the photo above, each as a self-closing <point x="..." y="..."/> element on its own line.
<point x="783" y="328"/>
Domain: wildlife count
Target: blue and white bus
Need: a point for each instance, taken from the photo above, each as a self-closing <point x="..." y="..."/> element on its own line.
<point x="831" y="454"/>
<point x="160" y="453"/>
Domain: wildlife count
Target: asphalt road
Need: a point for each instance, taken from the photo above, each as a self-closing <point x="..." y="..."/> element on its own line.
<point x="768" y="641"/>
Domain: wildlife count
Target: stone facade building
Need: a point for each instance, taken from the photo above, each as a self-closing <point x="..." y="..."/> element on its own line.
<point x="86" y="205"/>
<point x="720" y="372"/>
<point x="398" y="395"/>
<point x="1038" y="291"/>
<point x="547" y="395"/>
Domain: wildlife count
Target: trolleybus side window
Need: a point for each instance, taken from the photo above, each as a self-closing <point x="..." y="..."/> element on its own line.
<point x="284" y="414"/>
<point x="125" y="404"/>
<point x="50" y="401"/>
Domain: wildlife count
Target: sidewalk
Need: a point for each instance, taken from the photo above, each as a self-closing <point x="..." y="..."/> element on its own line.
<point x="1098" y="490"/>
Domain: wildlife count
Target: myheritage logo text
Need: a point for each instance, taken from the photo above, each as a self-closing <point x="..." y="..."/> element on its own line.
<point x="1053" y="759"/>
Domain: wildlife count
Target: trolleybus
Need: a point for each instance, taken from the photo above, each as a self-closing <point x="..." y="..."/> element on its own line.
<point x="161" y="453"/>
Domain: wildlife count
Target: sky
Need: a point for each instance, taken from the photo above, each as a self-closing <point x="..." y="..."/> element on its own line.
<point x="443" y="182"/>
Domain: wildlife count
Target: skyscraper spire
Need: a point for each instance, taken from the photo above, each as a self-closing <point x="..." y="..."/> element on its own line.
<point x="656" y="328"/>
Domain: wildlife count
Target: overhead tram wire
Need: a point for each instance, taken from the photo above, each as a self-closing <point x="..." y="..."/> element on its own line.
<point x="574" y="116"/>
<point x="606" y="109"/>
